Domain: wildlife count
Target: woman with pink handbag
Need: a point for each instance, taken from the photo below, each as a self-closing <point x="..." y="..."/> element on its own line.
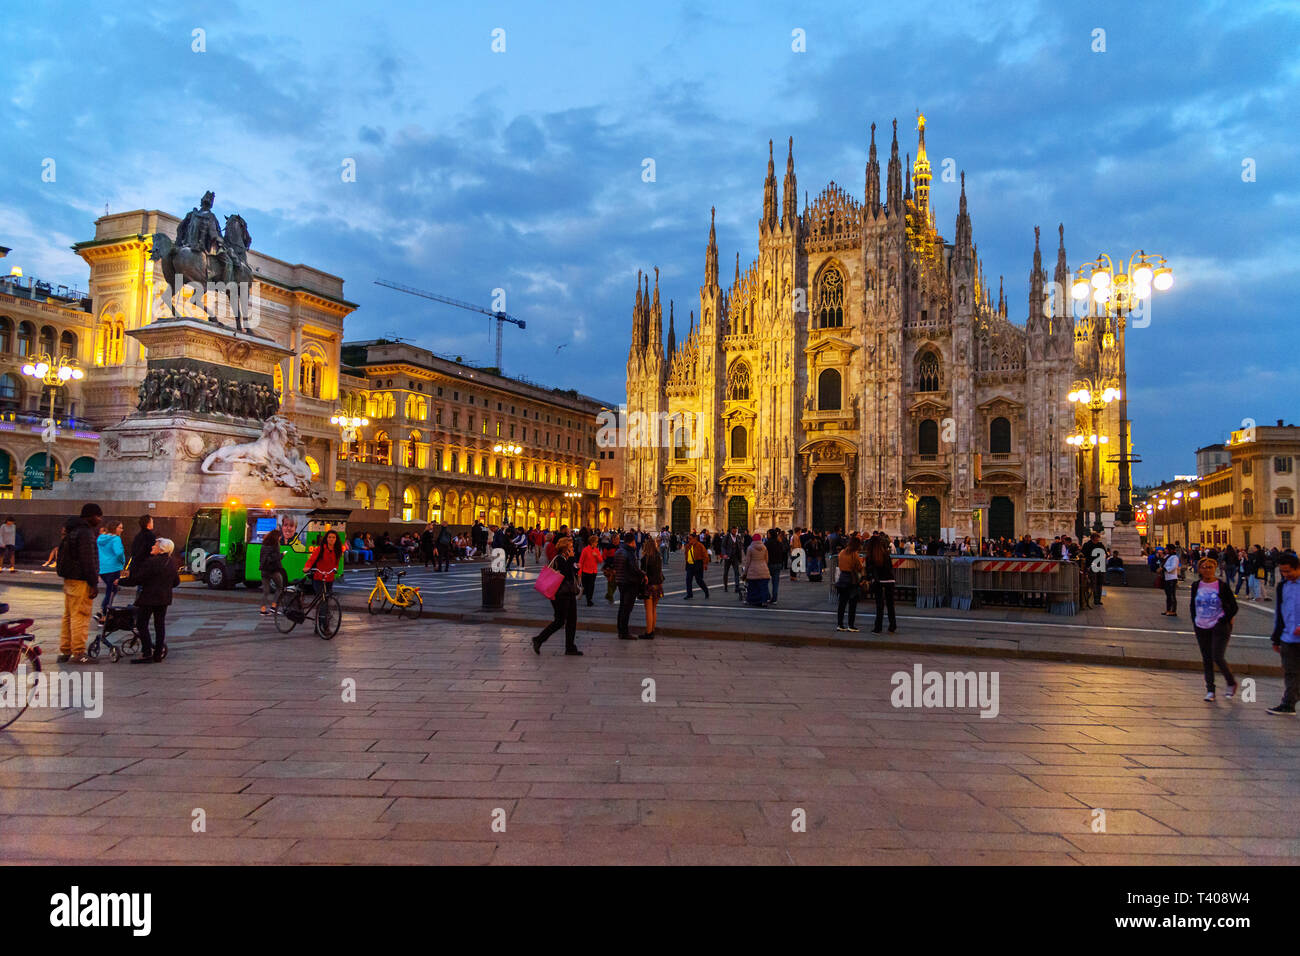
<point x="559" y="582"/>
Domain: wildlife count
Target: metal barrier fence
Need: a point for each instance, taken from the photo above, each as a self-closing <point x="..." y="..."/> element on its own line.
<point x="919" y="579"/>
<point x="1052" y="585"/>
<point x="966" y="583"/>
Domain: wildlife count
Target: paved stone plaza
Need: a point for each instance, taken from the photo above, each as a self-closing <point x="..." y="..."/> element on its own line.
<point x="457" y="725"/>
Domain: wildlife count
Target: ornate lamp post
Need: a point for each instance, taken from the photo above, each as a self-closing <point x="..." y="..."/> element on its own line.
<point x="509" y="452"/>
<point x="1094" y="396"/>
<point x="53" y="374"/>
<point x="1118" y="292"/>
<point x="1084" y="443"/>
<point x="349" y="423"/>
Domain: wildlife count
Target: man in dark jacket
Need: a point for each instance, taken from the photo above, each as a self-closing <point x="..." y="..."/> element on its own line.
<point x="444" y="549"/>
<point x="1094" y="562"/>
<point x="627" y="575"/>
<point x="1286" y="632"/>
<point x="776" y="551"/>
<point x="78" y="565"/>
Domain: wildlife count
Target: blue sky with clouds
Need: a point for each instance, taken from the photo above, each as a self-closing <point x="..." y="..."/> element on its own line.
<point x="522" y="170"/>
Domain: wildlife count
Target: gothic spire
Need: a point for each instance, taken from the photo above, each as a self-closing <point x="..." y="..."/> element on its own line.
<point x="873" y="175"/>
<point x="711" y="255"/>
<point x="789" y="192"/>
<point x="637" y="312"/>
<point x="894" y="187"/>
<point x="769" y="193"/>
<point x="1002" y="299"/>
<point x="922" y="168"/>
<point x="965" y="250"/>
<point x="672" y="333"/>
<point x="736" y="283"/>
<point x="1062" y="276"/>
<point x="655" y="332"/>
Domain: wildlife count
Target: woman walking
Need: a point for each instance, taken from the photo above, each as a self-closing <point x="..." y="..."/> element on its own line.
<point x="155" y="576"/>
<point x="565" y="602"/>
<point x="112" y="559"/>
<point x="589" y="566"/>
<point x="848" y="585"/>
<point x="652" y="567"/>
<point x="756" y="573"/>
<point x="880" y="567"/>
<point x="1213" y="608"/>
<point x="272" y="567"/>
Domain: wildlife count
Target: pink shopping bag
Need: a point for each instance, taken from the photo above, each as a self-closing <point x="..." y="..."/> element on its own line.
<point x="548" y="582"/>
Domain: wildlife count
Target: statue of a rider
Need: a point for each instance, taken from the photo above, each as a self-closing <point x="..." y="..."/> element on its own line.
<point x="201" y="232"/>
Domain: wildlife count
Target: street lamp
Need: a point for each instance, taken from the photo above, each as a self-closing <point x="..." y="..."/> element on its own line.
<point x="1119" y="292"/>
<point x="53" y="374"/>
<point x="1084" y="443"/>
<point x="1094" y="395"/>
<point x="349" y="424"/>
<point x="508" y="451"/>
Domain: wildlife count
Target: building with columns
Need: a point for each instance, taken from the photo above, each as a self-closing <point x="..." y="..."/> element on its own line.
<point x="428" y="450"/>
<point x="859" y="373"/>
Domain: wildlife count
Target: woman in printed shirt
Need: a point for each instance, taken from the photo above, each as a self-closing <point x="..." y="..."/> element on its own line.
<point x="1213" y="607"/>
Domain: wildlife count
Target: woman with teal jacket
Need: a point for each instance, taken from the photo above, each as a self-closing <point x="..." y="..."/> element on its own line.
<point x="112" y="559"/>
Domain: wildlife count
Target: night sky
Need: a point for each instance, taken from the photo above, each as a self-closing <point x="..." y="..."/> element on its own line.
<point x="523" y="169"/>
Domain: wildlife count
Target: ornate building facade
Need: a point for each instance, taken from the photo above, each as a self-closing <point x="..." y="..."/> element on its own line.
<point x="858" y="373"/>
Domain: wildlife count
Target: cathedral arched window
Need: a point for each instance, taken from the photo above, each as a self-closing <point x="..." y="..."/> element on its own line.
<point x="829" y="307"/>
<point x="1000" y="436"/>
<point x="828" y="390"/>
<point x="739" y="442"/>
<point x="928" y="437"/>
<point x="927" y="372"/>
<point x="738" y="383"/>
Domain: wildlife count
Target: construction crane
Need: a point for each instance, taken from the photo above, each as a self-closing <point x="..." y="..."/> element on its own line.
<point x="501" y="317"/>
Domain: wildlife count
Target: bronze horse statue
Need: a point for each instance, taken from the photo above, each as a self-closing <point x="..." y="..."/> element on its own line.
<point x="225" y="271"/>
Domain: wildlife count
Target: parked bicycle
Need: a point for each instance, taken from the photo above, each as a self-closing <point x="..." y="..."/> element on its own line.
<point x="323" y="608"/>
<point x="19" y="656"/>
<point x="405" y="598"/>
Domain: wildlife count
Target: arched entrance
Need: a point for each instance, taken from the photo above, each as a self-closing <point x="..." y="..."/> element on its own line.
<point x="737" y="512"/>
<point x="928" y="515"/>
<point x="681" y="514"/>
<point x="1002" y="517"/>
<point x="828" y="502"/>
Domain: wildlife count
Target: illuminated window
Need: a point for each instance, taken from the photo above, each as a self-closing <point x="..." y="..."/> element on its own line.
<point x="927" y="373"/>
<point x="311" y="463"/>
<point x="829" y="309"/>
<point x="738" y="383"/>
<point x="311" y="373"/>
<point x="26" y="338"/>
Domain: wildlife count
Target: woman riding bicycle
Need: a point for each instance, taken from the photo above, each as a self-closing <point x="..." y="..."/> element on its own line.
<point x="324" y="561"/>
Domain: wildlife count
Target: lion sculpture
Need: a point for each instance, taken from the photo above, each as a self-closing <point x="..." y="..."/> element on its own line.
<point x="276" y="456"/>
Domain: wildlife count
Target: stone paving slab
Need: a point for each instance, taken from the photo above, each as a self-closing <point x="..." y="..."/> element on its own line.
<point x="460" y="730"/>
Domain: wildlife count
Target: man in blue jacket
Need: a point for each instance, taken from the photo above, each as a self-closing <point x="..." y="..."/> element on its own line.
<point x="1286" y="632"/>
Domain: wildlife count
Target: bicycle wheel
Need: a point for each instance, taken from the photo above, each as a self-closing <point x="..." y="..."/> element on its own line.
<point x="20" y="658"/>
<point x="290" y="600"/>
<point x="412" y="604"/>
<point x="329" y="615"/>
<point x="378" y="602"/>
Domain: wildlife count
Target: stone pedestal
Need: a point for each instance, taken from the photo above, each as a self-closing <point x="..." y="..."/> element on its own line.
<point x="207" y="430"/>
<point x="1125" y="540"/>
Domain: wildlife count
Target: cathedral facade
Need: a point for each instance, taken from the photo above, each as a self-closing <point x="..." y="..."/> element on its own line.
<point x="857" y="374"/>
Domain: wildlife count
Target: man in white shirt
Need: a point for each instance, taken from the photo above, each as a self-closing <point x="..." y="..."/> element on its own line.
<point x="1170" y="566"/>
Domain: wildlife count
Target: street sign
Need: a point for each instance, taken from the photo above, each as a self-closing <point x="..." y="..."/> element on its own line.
<point x="980" y="498"/>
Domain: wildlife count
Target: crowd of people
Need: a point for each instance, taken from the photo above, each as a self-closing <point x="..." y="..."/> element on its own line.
<point x="92" y="552"/>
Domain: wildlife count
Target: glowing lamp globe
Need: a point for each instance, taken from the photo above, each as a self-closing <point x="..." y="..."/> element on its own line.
<point x="1164" y="279"/>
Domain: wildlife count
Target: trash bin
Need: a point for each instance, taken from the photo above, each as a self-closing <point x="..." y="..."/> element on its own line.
<point x="494" y="589"/>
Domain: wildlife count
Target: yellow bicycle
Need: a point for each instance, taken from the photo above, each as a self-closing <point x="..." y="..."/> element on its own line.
<point x="405" y="598"/>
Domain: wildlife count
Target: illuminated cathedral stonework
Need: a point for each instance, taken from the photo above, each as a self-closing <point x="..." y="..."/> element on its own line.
<point x="858" y="374"/>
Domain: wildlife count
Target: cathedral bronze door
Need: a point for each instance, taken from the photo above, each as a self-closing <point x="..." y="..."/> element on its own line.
<point x="828" y="502"/>
<point x="927" y="517"/>
<point x="737" y="512"/>
<point x="1002" y="517"/>
<point x="681" y="518"/>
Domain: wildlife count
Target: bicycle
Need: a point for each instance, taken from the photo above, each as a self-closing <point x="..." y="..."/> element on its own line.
<point x="325" y="607"/>
<point x="406" y="599"/>
<point x="18" y="655"/>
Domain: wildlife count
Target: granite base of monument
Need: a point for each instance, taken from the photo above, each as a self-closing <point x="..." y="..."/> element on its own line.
<point x="207" y="428"/>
